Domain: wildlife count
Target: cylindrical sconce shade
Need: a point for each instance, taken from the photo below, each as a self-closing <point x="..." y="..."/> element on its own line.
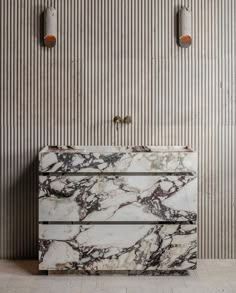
<point x="185" y="28"/>
<point x="50" y="27"/>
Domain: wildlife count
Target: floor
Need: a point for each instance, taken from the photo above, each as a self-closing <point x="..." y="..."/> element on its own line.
<point x="211" y="276"/>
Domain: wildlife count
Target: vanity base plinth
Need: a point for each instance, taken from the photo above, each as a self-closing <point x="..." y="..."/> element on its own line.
<point x="118" y="272"/>
<point x="43" y="272"/>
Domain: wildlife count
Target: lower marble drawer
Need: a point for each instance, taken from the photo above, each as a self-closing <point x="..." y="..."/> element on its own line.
<point x="143" y="247"/>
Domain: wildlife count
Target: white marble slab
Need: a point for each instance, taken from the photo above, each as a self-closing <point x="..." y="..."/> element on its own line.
<point x="118" y="198"/>
<point x="118" y="159"/>
<point x="114" y="149"/>
<point x="117" y="247"/>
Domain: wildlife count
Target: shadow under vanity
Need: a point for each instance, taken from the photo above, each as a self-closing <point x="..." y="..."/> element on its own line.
<point x="105" y="208"/>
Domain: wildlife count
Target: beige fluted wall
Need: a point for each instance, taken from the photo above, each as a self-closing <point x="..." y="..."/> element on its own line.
<point x="118" y="57"/>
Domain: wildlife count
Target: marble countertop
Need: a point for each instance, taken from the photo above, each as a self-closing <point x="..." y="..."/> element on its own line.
<point x="116" y="149"/>
<point x="147" y="159"/>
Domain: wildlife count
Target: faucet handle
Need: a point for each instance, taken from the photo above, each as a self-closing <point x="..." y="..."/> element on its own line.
<point x="127" y="120"/>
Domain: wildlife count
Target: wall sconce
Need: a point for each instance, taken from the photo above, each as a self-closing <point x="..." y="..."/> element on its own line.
<point x="50" y="27"/>
<point x="185" y="28"/>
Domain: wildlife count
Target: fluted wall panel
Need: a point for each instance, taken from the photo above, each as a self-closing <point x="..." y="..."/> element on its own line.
<point x="118" y="57"/>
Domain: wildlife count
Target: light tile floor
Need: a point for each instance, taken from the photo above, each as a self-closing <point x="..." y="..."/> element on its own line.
<point x="210" y="276"/>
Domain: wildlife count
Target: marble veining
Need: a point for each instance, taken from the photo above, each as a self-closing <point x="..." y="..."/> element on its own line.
<point x="104" y="247"/>
<point x="136" y="159"/>
<point x="118" y="208"/>
<point x="115" y="149"/>
<point x="118" y="198"/>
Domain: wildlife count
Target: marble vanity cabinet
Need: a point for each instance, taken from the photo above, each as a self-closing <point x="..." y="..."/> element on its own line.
<point x="118" y="208"/>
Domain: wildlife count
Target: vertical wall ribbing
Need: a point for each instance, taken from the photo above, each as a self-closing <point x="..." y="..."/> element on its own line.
<point x="117" y="58"/>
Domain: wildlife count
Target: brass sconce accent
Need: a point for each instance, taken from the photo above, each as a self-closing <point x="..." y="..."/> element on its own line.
<point x="50" y="27"/>
<point x="185" y="30"/>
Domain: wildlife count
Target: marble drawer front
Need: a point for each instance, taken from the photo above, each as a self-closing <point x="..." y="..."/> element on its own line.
<point x="133" y="162"/>
<point x="105" y="247"/>
<point x="118" y="198"/>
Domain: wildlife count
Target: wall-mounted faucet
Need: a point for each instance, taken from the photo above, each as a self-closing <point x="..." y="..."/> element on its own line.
<point x="118" y="120"/>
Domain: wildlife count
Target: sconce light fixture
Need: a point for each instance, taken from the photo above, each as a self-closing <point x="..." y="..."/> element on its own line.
<point x="185" y="28"/>
<point x="50" y="27"/>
